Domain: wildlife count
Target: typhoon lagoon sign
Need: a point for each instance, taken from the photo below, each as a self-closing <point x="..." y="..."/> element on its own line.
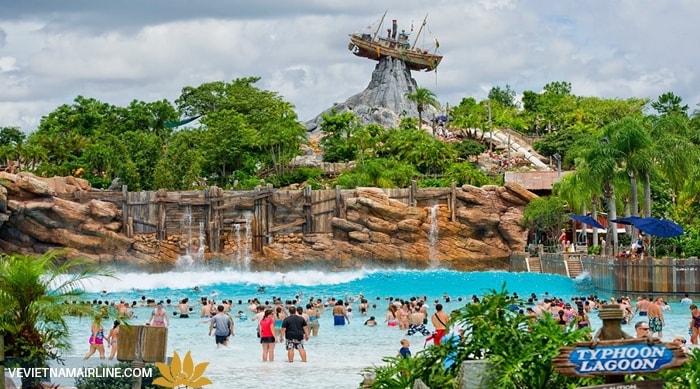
<point x="632" y="356"/>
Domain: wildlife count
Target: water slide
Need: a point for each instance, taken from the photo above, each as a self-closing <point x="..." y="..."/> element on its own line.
<point x="502" y="137"/>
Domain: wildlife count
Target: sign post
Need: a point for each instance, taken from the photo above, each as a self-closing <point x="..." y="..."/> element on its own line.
<point x="614" y="354"/>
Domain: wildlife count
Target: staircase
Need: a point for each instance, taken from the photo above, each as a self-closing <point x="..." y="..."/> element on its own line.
<point x="534" y="265"/>
<point x="574" y="266"/>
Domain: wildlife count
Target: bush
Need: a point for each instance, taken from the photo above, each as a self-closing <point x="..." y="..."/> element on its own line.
<point x="117" y="382"/>
<point x="298" y="175"/>
<point x="519" y="347"/>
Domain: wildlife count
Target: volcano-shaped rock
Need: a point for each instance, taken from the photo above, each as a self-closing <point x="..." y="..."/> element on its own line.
<point x="384" y="100"/>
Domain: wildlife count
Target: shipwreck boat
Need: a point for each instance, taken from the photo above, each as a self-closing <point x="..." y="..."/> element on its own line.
<point x="396" y="45"/>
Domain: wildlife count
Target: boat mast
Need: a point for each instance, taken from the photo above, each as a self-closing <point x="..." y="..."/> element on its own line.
<point x="379" y="26"/>
<point x="419" y="31"/>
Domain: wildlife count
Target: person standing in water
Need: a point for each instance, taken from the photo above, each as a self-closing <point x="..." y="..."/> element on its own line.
<point x="113" y="340"/>
<point x="295" y="331"/>
<point x="159" y="316"/>
<point x="267" y="336"/>
<point x="97" y="336"/>
<point x="340" y="317"/>
<point x="222" y="324"/>
<point x="313" y="315"/>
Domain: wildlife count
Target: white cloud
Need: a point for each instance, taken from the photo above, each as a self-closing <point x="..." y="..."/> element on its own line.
<point x="111" y="52"/>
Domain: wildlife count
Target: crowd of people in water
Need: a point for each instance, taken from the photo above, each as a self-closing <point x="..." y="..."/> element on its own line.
<point x="293" y="321"/>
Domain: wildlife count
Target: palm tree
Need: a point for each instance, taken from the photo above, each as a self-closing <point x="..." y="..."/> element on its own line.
<point x="674" y="153"/>
<point x="423" y="97"/>
<point x="630" y="136"/>
<point x="34" y="296"/>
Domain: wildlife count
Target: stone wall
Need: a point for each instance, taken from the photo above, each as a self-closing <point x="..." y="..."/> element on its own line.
<point x="479" y="233"/>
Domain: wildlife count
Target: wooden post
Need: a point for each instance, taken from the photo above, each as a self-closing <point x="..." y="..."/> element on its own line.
<point x="160" y="196"/>
<point x="137" y="363"/>
<point x="612" y="316"/>
<point x="269" y="216"/>
<point x="125" y="208"/>
<point x="308" y="226"/>
<point x="258" y="219"/>
<point x="129" y="227"/>
<point x="453" y="201"/>
<point x="212" y="231"/>
<point x="412" y="194"/>
<point x="338" y="201"/>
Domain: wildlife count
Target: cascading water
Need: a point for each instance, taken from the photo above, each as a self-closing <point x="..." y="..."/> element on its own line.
<point x="433" y="237"/>
<point x="186" y="237"/>
<point x="248" y="240"/>
<point x="239" y="249"/>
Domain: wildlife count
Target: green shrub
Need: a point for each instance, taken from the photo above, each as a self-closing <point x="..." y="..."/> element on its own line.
<point x="519" y="348"/>
<point x="117" y="382"/>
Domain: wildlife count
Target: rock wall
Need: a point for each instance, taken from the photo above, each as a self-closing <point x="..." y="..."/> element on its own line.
<point x="376" y="231"/>
<point x="384" y="100"/>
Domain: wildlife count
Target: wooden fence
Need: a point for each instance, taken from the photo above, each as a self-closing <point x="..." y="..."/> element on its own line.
<point x="265" y="211"/>
<point x="668" y="277"/>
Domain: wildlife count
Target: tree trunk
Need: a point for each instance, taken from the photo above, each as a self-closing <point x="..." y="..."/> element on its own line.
<point x="647" y="195"/>
<point x="634" y="200"/>
<point x="609" y="192"/>
<point x="594" y="215"/>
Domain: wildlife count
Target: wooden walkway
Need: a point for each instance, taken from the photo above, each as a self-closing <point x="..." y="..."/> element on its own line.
<point x="665" y="277"/>
<point x="572" y="265"/>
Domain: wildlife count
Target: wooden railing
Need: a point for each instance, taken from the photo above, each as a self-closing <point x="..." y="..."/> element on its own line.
<point x="665" y="277"/>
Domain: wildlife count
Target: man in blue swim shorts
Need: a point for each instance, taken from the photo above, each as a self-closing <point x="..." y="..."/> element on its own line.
<point x="340" y="317"/>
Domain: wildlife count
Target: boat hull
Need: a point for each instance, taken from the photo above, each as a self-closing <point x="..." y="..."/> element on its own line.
<point x="415" y="59"/>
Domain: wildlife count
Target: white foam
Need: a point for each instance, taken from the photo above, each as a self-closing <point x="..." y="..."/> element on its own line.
<point x="129" y="281"/>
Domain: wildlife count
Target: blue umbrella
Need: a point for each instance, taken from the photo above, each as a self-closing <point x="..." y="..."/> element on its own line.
<point x="586" y="220"/>
<point x="658" y="227"/>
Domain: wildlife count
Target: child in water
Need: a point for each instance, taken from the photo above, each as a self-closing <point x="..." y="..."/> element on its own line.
<point x="404" y="351"/>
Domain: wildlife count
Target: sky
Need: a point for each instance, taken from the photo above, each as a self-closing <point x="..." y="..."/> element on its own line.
<point x="117" y="51"/>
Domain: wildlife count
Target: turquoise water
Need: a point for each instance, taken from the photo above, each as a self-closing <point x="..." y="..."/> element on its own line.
<point x="338" y="355"/>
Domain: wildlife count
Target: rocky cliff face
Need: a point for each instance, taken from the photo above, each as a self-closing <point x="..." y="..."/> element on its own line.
<point x="376" y="231"/>
<point x="384" y="100"/>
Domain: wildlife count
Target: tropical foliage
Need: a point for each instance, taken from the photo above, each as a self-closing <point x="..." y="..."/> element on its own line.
<point x="518" y="348"/>
<point x="34" y="295"/>
<point x="103" y="380"/>
<point x="630" y="156"/>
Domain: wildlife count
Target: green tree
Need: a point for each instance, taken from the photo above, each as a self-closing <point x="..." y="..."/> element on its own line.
<point x="34" y="295"/>
<point x="180" y="167"/>
<point x="465" y="173"/>
<point x="423" y="97"/>
<point x="338" y="129"/>
<point x="11" y="136"/>
<point x="416" y="147"/>
<point x="469" y="115"/>
<point x="380" y="173"/>
<point x="504" y="96"/>
<point x="545" y="214"/>
<point x="668" y="103"/>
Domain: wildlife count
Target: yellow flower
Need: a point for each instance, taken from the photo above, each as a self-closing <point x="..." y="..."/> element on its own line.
<point x="181" y="373"/>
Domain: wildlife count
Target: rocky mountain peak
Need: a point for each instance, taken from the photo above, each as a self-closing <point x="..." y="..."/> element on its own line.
<point x="384" y="100"/>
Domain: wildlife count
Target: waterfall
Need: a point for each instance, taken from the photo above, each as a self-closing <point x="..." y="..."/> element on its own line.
<point x="239" y="249"/>
<point x="202" y="239"/>
<point x="186" y="238"/>
<point x="248" y="240"/>
<point x="433" y="237"/>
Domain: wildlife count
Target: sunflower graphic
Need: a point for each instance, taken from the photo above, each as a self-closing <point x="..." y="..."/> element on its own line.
<point x="182" y="373"/>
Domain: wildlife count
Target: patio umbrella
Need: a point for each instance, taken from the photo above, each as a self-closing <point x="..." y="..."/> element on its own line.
<point x="650" y="225"/>
<point x="586" y="220"/>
